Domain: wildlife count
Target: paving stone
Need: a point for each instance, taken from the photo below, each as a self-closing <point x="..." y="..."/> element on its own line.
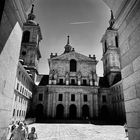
<point x="79" y="132"/>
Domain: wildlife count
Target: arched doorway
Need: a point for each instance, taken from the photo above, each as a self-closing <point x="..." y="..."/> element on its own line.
<point x="85" y="111"/>
<point x="104" y="113"/>
<point x="60" y="111"/>
<point x="39" y="112"/>
<point x="72" y="111"/>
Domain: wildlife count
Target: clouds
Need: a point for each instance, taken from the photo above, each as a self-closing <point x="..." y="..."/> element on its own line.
<point x="82" y="22"/>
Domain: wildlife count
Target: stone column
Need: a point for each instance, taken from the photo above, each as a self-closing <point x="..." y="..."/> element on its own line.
<point x="78" y="105"/>
<point x="79" y="82"/>
<point x="50" y="82"/>
<point x="54" y="105"/>
<point x="54" y="82"/>
<point x="95" y="105"/>
<point x="67" y="82"/>
<point x="91" y="105"/>
<point x="91" y="83"/>
<point x="66" y="105"/>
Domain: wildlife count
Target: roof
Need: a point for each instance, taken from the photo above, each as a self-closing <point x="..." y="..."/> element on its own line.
<point x="74" y="55"/>
<point x="103" y="82"/>
<point x="44" y="81"/>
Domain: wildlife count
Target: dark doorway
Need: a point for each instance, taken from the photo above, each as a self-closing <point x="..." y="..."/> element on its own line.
<point x="104" y="113"/>
<point x="60" y="111"/>
<point x="85" y="111"/>
<point x="72" y="112"/>
<point x="39" y="112"/>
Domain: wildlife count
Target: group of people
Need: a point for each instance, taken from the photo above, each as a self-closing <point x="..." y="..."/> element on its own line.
<point x="19" y="131"/>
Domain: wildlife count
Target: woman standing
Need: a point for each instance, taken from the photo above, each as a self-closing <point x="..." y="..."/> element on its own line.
<point x="32" y="135"/>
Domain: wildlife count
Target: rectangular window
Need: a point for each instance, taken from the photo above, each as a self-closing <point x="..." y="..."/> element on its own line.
<point x="14" y="112"/>
<point x="72" y="97"/>
<point x="17" y="86"/>
<point x="85" y="98"/>
<point x="104" y="99"/>
<point x="61" y="81"/>
<point x="72" y="81"/>
<point x="84" y="82"/>
<point x="60" y="98"/>
<point x="17" y="112"/>
<point x="20" y="88"/>
<point x="15" y="97"/>
<point x="40" y="97"/>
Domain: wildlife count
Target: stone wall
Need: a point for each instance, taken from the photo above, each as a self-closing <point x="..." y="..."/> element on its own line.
<point x="128" y="23"/>
<point x="8" y="67"/>
<point x="10" y="41"/>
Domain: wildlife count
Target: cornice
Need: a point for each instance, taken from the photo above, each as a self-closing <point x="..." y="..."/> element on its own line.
<point x="124" y="12"/>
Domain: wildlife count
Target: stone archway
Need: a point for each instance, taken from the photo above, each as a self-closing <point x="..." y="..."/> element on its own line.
<point x="85" y="111"/>
<point x="72" y="111"/>
<point x="39" y="112"/>
<point x="59" y="111"/>
<point x="104" y="113"/>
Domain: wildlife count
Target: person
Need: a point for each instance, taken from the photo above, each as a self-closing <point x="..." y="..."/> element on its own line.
<point x="32" y="135"/>
<point x="126" y="129"/>
<point x="26" y="128"/>
<point x="12" y="129"/>
<point x="19" y="133"/>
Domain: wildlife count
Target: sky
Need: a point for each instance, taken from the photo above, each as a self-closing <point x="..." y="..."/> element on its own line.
<point x="85" y="21"/>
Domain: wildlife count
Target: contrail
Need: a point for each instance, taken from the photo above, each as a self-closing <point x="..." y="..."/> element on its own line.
<point x="84" y="22"/>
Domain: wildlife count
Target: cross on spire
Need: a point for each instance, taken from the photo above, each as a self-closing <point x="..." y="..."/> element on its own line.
<point x="32" y="10"/>
<point x="68" y="42"/>
<point x="31" y="15"/>
<point x="112" y="20"/>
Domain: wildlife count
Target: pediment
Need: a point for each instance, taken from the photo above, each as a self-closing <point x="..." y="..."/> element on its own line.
<point x="73" y="55"/>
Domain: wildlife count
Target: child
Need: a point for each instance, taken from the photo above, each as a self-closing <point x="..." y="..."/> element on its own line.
<point x="32" y="135"/>
<point x="126" y="130"/>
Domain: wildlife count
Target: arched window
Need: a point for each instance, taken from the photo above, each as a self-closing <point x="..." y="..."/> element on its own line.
<point x="116" y="40"/>
<point x="26" y="37"/>
<point x="73" y="65"/>
<point x="105" y="46"/>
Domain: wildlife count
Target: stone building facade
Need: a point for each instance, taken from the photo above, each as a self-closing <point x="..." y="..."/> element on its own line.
<point x="127" y="14"/>
<point x="74" y="91"/>
<point x="72" y="86"/>
<point x="22" y="94"/>
<point x="27" y="69"/>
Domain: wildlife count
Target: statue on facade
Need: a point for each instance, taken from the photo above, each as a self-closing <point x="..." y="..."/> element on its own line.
<point x="79" y="75"/>
<point x="67" y="75"/>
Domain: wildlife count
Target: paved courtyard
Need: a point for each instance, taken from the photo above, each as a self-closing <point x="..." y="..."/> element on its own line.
<point x="79" y="132"/>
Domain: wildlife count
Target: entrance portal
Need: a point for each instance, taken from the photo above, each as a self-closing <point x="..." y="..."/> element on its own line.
<point x="73" y="112"/>
<point x="39" y="112"/>
<point x="60" y="111"/>
<point x="104" y="113"/>
<point x="85" y="111"/>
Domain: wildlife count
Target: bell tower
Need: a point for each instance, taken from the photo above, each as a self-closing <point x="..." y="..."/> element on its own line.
<point x="30" y="53"/>
<point x="111" y="57"/>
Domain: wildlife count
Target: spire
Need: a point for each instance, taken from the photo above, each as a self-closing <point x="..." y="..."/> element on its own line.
<point x="68" y="48"/>
<point x="31" y="15"/>
<point x="32" y="10"/>
<point x="68" y="42"/>
<point x="112" y="20"/>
